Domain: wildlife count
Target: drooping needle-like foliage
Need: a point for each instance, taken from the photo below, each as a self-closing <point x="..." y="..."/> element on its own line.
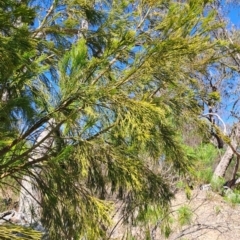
<point x="117" y="78"/>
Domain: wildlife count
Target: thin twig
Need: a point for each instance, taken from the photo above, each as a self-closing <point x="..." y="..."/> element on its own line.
<point x="143" y="19"/>
<point x="49" y="12"/>
<point x="105" y="70"/>
<point x="215" y="114"/>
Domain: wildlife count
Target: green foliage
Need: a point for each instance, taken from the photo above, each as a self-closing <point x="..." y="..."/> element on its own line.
<point x="217" y="184"/>
<point x="184" y="215"/>
<point x="188" y="192"/>
<point x="152" y="216"/>
<point x="232" y="196"/>
<point x="214" y="97"/>
<point x="204" y="156"/>
<point x="217" y="209"/>
<point x="166" y="230"/>
<point x="10" y="232"/>
<point x="119" y="91"/>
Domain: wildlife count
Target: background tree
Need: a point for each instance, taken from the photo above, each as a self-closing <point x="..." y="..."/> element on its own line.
<point x="223" y="90"/>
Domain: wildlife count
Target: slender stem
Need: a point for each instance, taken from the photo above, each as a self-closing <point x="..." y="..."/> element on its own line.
<point x="49" y="12"/>
<point x="215" y="114"/>
<point x="143" y="19"/>
<point x="100" y="132"/>
<point x="105" y="70"/>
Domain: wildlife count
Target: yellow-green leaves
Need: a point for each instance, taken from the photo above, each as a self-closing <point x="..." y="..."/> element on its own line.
<point x="214" y="97"/>
<point x="70" y="23"/>
<point x="75" y="59"/>
<point x="79" y="54"/>
<point x="184" y="215"/>
<point x="72" y="68"/>
<point x="15" y="232"/>
<point x="121" y="91"/>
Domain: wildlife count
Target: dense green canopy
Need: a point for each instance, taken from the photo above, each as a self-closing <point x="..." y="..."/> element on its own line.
<point x="120" y="79"/>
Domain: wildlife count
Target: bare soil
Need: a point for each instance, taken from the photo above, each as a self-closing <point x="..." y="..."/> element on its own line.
<point x="213" y="218"/>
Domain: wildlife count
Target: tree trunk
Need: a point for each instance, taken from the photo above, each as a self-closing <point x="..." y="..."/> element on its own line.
<point x="228" y="155"/>
<point x="224" y="163"/>
<point x="30" y="197"/>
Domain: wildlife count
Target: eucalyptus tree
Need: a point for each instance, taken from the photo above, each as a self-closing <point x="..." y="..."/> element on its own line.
<point x="118" y="79"/>
<point x="221" y="99"/>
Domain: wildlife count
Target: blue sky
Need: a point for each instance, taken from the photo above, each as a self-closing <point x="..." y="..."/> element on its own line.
<point x="234" y="15"/>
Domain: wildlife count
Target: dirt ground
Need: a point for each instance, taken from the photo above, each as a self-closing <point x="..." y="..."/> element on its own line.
<point x="213" y="218"/>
